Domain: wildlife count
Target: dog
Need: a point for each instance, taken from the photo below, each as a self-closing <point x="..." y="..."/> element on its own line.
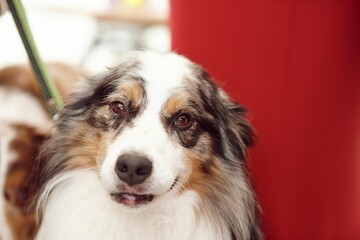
<point x="24" y="126"/>
<point x="151" y="149"/>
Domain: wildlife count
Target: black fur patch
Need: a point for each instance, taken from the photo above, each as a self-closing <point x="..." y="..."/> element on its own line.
<point x="222" y="118"/>
<point x="99" y="102"/>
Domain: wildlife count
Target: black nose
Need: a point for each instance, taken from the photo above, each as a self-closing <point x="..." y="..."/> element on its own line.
<point x="133" y="169"/>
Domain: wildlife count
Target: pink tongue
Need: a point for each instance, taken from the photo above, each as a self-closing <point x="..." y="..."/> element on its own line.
<point x="129" y="199"/>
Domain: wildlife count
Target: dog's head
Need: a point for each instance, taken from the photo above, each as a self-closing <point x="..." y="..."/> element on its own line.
<point x="152" y="126"/>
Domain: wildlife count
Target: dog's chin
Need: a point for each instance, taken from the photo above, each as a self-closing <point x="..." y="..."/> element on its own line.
<point x="137" y="200"/>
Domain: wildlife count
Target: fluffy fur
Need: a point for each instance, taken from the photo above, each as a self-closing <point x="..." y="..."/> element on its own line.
<point x="172" y="114"/>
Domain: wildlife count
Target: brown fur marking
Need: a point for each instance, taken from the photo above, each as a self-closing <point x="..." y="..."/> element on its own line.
<point x="177" y="102"/>
<point x="22" y="77"/>
<point x="26" y="145"/>
<point x="202" y="171"/>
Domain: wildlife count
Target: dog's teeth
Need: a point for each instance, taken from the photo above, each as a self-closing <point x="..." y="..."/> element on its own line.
<point x="129" y="196"/>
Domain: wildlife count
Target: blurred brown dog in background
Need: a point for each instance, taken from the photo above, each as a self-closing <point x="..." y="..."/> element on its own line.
<point x="24" y="125"/>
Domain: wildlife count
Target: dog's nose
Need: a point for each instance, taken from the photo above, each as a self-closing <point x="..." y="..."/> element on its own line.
<point x="133" y="169"/>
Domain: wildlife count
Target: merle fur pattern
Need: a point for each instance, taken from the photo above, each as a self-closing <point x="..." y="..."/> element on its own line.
<point x="230" y="197"/>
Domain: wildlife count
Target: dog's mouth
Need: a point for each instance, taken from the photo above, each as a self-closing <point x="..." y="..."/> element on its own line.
<point x="133" y="200"/>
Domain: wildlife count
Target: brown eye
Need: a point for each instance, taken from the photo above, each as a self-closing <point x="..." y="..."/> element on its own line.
<point x="183" y="120"/>
<point x="118" y="108"/>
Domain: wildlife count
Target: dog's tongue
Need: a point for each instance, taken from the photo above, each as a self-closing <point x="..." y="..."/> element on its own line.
<point x="129" y="199"/>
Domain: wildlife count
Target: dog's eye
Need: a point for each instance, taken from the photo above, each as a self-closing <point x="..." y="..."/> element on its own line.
<point x="118" y="108"/>
<point x="183" y="120"/>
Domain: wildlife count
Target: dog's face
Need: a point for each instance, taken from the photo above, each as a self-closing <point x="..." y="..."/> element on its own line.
<point x="156" y="125"/>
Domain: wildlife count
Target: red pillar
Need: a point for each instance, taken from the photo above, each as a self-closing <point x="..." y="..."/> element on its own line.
<point x="296" y="66"/>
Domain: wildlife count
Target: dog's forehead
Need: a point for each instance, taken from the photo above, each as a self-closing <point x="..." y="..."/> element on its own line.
<point x="163" y="74"/>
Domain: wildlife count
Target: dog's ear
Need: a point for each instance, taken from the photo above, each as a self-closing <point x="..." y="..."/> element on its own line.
<point x="239" y="132"/>
<point x="240" y="124"/>
<point x="234" y="132"/>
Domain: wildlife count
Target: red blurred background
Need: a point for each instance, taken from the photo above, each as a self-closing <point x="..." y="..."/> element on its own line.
<point x="296" y="66"/>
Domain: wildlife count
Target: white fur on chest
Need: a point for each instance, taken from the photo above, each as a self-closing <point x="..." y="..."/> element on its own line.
<point x="80" y="208"/>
